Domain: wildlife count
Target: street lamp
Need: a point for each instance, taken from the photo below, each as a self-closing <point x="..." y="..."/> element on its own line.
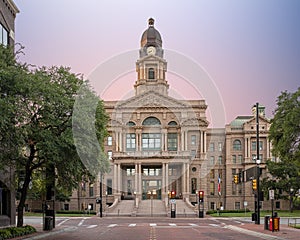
<point x="258" y="161"/>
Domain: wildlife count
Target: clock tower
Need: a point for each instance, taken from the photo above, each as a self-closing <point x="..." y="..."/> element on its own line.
<point x="151" y="66"/>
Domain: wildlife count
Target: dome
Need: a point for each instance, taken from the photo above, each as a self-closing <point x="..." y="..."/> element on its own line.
<point x="151" y="37"/>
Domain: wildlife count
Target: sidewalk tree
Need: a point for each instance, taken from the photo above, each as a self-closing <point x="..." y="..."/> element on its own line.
<point x="36" y="123"/>
<point x="285" y="138"/>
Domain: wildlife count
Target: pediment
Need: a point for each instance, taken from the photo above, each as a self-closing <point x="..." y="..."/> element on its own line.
<point x="151" y="99"/>
<point x="262" y="120"/>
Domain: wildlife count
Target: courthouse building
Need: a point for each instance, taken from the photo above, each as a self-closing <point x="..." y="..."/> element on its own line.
<point x="161" y="147"/>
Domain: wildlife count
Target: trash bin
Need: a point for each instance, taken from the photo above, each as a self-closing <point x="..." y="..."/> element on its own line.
<point x="48" y="223"/>
<point x="267" y="220"/>
<point x="276" y="224"/>
<point x="254" y="218"/>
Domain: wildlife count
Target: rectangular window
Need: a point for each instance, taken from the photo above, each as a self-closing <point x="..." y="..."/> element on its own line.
<point x="212" y="205"/>
<point x="212" y="160"/>
<point x="109" y="154"/>
<point x="212" y="174"/>
<point x="237" y="205"/>
<point x="130" y="171"/>
<point x="193" y="140"/>
<point x="253" y="148"/>
<point x="3" y="36"/>
<point x="194" y="185"/>
<point x="109" y="140"/>
<point x="220" y="147"/>
<point x="91" y="190"/>
<point x="129" y="187"/>
<point x="233" y="158"/>
<point x="66" y="207"/>
<point x="130" y="141"/>
<point x="212" y="188"/>
<point x="220" y="160"/>
<point x="151" y="141"/>
<point x="172" y="141"/>
<point x="211" y="147"/>
<point x="109" y="186"/>
<point x="240" y="158"/>
<point x="277" y="204"/>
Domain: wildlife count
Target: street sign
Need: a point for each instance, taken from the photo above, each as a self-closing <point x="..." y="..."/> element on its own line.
<point x="173" y="201"/>
<point x="271" y="194"/>
<point x="245" y="203"/>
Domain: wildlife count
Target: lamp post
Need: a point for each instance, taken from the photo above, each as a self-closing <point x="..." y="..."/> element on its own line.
<point x="101" y="195"/>
<point x="258" y="160"/>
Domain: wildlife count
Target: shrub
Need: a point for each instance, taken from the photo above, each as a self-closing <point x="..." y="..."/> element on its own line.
<point x="12" y="232"/>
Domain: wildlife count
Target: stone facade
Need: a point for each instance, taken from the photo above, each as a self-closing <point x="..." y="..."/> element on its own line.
<point x="8" y="11"/>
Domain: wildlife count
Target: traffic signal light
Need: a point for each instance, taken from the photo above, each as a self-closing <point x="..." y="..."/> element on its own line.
<point x="236" y="179"/>
<point x="201" y="196"/>
<point x="254" y="186"/>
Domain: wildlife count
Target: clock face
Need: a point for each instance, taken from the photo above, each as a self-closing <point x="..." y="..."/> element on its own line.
<point x="151" y="50"/>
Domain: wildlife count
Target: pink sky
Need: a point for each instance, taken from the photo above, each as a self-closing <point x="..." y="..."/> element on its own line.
<point x="249" y="48"/>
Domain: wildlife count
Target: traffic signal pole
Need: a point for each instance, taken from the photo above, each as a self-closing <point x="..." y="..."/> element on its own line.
<point x="257" y="166"/>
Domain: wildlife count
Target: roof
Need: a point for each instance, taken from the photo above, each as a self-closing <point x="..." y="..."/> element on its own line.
<point x="240" y="120"/>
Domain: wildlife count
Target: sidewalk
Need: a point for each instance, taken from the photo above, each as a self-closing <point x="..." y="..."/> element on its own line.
<point x="284" y="232"/>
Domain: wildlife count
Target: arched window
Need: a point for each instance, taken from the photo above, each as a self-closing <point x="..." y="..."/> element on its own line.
<point x="151" y="73"/>
<point x="130" y="124"/>
<point x="237" y="145"/>
<point x="151" y="121"/>
<point x="172" y="123"/>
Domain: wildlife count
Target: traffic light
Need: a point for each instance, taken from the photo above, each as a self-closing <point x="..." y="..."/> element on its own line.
<point x="254" y="186"/>
<point x="173" y="194"/>
<point x="236" y="179"/>
<point x="201" y="196"/>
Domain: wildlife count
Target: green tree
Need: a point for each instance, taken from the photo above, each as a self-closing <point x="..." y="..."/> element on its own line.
<point x="37" y="125"/>
<point x="285" y="137"/>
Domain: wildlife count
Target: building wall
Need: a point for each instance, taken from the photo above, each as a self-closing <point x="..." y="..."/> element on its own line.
<point x="8" y="12"/>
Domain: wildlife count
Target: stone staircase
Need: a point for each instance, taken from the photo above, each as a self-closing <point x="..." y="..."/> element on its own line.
<point x="152" y="208"/>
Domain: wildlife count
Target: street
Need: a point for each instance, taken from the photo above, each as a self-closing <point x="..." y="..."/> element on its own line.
<point x="146" y="228"/>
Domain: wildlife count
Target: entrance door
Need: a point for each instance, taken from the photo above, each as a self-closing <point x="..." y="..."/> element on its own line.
<point x="151" y="189"/>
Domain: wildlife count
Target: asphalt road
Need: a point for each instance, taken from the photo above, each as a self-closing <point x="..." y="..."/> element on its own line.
<point x="144" y="229"/>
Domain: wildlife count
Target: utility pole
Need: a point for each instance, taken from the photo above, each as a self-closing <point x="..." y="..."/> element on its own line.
<point x="257" y="166"/>
<point x="101" y="195"/>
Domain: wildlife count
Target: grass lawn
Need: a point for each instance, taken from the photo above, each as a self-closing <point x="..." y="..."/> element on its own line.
<point x="295" y="213"/>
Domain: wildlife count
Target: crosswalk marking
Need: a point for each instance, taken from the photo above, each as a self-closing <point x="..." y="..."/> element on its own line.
<point x="172" y="224"/>
<point x="91" y="226"/>
<point x="132" y="225"/>
<point x="112" y="225"/>
<point x="153" y="224"/>
<point x="193" y="224"/>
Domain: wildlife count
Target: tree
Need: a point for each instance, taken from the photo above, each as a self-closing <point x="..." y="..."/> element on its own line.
<point x="37" y="124"/>
<point x="285" y="137"/>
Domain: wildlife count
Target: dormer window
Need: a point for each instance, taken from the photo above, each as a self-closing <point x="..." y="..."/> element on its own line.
<point x="151" y="73"/>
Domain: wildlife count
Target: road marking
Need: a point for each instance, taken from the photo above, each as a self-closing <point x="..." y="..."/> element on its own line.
<point x="153" y="224"/>
<point x="193" y="224"/>
<point x="112" y="225"/>
<point x="91" y="226"/>
<point x="81" y="222"/>
<point x="172" y="224"/>
<point x="62" y="222"/>
<point x="214" y="225"/>
<point x="132" y="225"/>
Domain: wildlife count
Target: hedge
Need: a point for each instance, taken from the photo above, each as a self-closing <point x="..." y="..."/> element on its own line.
<point x="12" y="232"/>
<point x="227" y="211"/>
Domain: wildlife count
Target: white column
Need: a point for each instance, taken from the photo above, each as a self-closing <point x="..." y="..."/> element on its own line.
<point x="184" y="177"/>
<point x="163" y="178"/>
<point x="188" y="178"/>
<point x="167" y="177"/>
<point x="201" y="142"/>
<point x="119" y="178"/>
<point x="120" y="142"/>
<point x="140" y="178"/>
<point x="117" y="140"/>
<point x="186" y="140"/>
<point x="204" y="141"/>
<point x="136" y="185"/>
<point x="182" y="140"/>
<point x="115" y="179"/>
